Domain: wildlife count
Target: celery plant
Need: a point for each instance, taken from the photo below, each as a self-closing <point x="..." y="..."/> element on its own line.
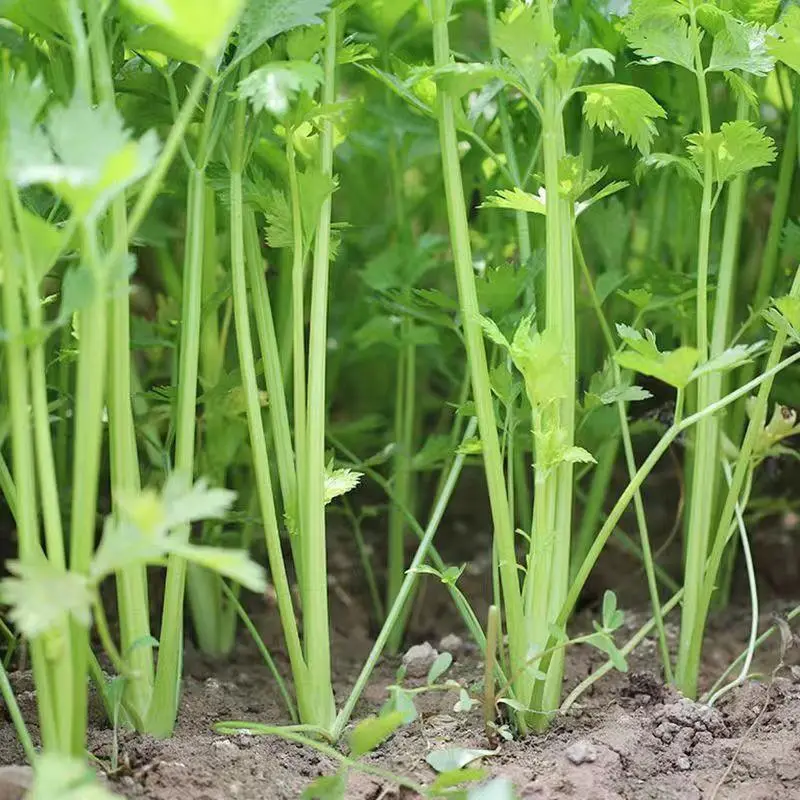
<point x="546" y="357"/>
<point x="673" y="32"/>
<point x="84" y="155"/>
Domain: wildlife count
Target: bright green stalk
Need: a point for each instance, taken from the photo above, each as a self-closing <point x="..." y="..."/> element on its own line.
<point x="89" y="401"/>
<point x="258" y="441"/>
<point x="132" y="594"/>
<point x="315" y="613"/>
<point x="405" y="405"/>
<point x="164" y="706"/>
<point x="743" y="466"/>
<point x="548" y="570"/>
<point x="405" y="417"/>
<point x="45" y="460"/>
<point x="214" y="621"/>
<point x="299" y="508"/>
<point x="43" y="443"/>
<point x="270" y="357"/>
<point x="476" y="354"/>
<point x="705" y="462"/>
<point x="55" y="732"/>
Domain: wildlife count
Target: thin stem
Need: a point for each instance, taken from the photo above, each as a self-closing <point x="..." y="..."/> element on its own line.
<point x="704" y="461"/>
<point x="55" y="732"/>
<point x="476" y="354"/>
<point x="258" y="441"/>
<point x="89" y="402"/>
<point x="751" y="580"/>
<point x="316" y="636"/>
<point x="132" y="594"/>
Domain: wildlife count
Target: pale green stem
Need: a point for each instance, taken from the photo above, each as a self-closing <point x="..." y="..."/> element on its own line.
<point x="481" y="387"/>
<point x="316" y="636"/>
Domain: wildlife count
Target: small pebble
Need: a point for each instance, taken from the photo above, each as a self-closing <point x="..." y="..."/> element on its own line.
<point x="418" y="659"/>
<point x="683" y="763"/>
<point x="227" y="748"/>
<point x="581" y="753"/>
<point x="451" y="644"/>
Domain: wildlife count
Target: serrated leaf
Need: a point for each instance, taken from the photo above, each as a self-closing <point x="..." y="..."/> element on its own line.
<point x="641" y="298"/>
<point x="263" y="20"/>
<point x="462" y="78"/>
<point x="784" y="45"/>
<point x="234" y="564"/>
<point x="493" y="332"/>
<point x="123" y="545"/>
<point x="434" y="452"/>
<point x="202" y="25"/>
<point x="735" y="149"/>
<point x="577" y="455"/>
<point x="789" y="306"/>
<point x="42" y="597"/>
<point x="595" y="55"/>
<point x="540" y="358"/>
<point x="184" y="503"/>
<point x="91" y="157"/>
<point x="278" y="214"/>
<point x="627" y="110"/>
<point x="78" y="290"/>
<point x="515" y="199"/>
<point x="729" y="359"/>
<point x="440" y="665"/>
<point x="44" y="240"/>
<point x="574" y="179"/>
<point x="46" y="18"/>
<point x="373" y="731"/>
<point x="761" y="11"/>
<point x="340" y="481"/>
<point x="302" y="44"/>
<point x="657" y="32"/>
<point x="666" y="160"/>
<point x="673" y="367"/>
<point x="790" y="240"/>
<point x="274" y="86"/>
<point x="606" y="191"/>
<point x="742" y="90"/>
<point x="527" y="40"/>
<point x="27" y="143"/>
<point x="452" y="758"/>
<point x="743" y="46"/>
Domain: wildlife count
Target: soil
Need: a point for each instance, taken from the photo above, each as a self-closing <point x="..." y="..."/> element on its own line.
<point x="628" y="737"/>
<point x="631" y="737"/>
